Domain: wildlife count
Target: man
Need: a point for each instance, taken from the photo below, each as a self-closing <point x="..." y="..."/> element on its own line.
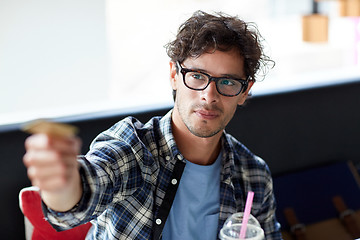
<point x="175" y="177"/>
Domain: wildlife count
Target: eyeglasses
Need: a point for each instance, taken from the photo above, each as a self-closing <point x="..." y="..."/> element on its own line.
<point x="197" y="80"/>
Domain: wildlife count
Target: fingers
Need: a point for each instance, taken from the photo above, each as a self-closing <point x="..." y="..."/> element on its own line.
<point x="42" y="157"/>
<point x="43" y="141"/>
<point x="48" y="178"/>
<point x="51" y="161"/>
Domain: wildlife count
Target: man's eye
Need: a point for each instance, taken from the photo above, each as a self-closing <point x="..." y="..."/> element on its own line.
<point x="198" y="76"/>
<point x="227" y="82"/>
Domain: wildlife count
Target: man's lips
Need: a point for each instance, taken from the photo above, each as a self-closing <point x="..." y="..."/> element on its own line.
<point x="206" y="114"/>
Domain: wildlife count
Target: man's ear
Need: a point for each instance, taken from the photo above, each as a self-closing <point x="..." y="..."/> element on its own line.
<point x="173" y="73"/>
<point x="244" y="95"/>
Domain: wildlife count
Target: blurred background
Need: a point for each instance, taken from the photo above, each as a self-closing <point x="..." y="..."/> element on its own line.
<point x="64" y="58"/>
<point x="91" y="63"/>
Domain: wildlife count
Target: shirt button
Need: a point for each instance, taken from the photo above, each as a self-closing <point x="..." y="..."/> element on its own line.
<point x="173" y="181"/>
<point x="167" y="158"/>
<point x="158" y="221"/>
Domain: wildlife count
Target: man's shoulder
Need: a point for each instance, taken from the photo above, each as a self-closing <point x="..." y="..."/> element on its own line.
<point x="134" y="124"/>
<point x="130" y="125"/>
<point x="243" y="155"/>
<point x="128" y="135"/>
<point x="237" y="147"/>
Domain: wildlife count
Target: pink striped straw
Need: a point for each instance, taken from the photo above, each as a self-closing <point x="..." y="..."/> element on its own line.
<point x="246" y="216"/>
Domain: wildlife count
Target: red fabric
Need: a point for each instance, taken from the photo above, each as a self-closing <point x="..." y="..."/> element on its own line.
<point x="31" y="207"/>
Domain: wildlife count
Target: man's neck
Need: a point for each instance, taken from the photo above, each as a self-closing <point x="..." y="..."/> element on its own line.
<point x="198" y="150"/>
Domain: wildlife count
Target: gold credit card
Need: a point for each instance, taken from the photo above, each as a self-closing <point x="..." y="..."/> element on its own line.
<point x="50" y="128"/>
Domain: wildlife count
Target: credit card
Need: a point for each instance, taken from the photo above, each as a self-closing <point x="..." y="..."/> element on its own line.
<point x="50" y="128"/>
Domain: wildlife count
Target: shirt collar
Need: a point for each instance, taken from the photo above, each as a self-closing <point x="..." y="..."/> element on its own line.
<point x="227" y="158"/>
<point x="168" y="146"/>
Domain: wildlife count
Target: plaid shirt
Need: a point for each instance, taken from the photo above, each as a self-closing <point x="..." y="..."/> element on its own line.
<point x="130" y="169"/>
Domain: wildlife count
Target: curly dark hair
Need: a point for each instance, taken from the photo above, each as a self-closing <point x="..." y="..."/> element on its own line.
<point x="204" y="32"/>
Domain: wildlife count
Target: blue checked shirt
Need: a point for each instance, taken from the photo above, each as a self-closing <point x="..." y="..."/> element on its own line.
<point x="132" y="167"/>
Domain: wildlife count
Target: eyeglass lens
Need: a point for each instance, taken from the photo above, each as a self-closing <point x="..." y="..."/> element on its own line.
<point x="225" y="86"/>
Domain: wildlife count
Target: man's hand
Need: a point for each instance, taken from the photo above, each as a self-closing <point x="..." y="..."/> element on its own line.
<point x="52" y="165"/>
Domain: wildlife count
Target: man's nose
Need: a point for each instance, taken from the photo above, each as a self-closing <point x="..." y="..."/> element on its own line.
<point x="210" y="93"/>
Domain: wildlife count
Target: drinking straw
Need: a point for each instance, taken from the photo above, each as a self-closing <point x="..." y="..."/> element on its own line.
<point x="245" y="220"/>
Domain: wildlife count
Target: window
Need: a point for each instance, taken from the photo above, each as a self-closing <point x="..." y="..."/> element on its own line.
<point x="67" y="57"/>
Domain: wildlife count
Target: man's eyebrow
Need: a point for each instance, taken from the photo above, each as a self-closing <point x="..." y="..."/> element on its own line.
<point x="234" y="76"/>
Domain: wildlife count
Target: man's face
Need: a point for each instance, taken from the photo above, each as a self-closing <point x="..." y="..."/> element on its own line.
<point x="206" y="113"/>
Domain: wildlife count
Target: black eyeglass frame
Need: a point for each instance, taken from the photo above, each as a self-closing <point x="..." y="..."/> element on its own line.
<point x="244" y="83"/>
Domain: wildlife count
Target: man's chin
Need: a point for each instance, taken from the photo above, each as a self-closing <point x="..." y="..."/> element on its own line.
<point x="203" y="133"/>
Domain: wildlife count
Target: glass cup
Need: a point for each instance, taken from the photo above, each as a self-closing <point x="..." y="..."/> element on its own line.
<point x="232" y="227"/>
